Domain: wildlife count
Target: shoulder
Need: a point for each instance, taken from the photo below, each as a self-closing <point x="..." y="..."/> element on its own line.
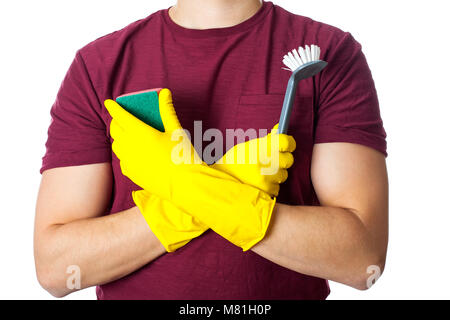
<point x="105" y="57"/>
<point x="106" y="50"/>
<point x="311" y="31"/>
<point x="119" y="37"/>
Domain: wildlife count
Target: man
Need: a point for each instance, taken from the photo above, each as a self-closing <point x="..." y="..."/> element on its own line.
<point x="222" y="60"/>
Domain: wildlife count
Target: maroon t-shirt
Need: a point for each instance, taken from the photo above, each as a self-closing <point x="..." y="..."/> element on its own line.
<point x="228" y="78"/>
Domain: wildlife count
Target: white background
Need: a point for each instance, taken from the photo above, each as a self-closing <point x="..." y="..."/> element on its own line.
<point x="406" y="44"/>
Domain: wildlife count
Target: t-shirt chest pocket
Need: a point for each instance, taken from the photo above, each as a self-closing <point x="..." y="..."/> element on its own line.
<point x="262" y="111"/>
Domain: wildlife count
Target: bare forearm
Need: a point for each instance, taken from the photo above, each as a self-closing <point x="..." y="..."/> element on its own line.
<point x="104" y="249"/>
<point x="325" y="242"/>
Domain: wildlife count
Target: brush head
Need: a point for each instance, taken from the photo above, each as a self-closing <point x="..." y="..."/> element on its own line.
<point x="301" y="56"/>
<point x="304" y="62"/>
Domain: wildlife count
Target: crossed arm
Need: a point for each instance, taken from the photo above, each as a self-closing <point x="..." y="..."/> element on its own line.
<point x="337" y="241"/>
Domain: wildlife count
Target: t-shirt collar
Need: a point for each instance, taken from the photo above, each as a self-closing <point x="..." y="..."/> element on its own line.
<point x="266" y="7"/>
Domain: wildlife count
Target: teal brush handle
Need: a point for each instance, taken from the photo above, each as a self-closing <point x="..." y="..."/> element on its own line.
<point x="307" y="70"/>
<point x="287" y="105"/>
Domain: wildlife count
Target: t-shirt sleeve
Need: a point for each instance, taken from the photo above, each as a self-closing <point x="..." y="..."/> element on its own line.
<point x="348" y="108"/>
<point x="77" y="133"/>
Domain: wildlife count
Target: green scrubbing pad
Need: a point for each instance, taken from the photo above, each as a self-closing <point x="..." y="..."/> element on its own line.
<point x="143" y="105"/>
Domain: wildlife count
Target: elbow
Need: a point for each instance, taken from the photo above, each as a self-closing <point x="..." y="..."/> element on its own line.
<point x="49" y="283"/>
<point x="48" y="266"/>
<point x="368" y="271"/>
<point x="48" y="274"/>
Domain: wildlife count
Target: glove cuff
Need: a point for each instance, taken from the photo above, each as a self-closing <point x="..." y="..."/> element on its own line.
<point x="169" y="224"/>
<point x="266" y="217"/>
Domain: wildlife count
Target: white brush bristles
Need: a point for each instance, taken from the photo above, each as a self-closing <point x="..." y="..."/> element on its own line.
<point x="296" y="58"/>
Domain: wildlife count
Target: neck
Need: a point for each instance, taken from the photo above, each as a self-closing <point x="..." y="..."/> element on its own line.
<point x="211" y="14"/>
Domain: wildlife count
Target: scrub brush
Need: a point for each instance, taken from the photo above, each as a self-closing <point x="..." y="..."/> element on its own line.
<point x="304" y="63"/>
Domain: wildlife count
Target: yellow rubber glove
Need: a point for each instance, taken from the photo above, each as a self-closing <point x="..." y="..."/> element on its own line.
<point x="238" y="212"/>
<point x="175" y="228"/>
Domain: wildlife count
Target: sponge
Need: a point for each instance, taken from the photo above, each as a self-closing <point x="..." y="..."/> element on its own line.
<point x="143" y="105"/>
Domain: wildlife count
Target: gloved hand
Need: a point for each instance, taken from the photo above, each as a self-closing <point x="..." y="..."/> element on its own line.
<point x="260" y="164"/>
<point x="238" y="212"/>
